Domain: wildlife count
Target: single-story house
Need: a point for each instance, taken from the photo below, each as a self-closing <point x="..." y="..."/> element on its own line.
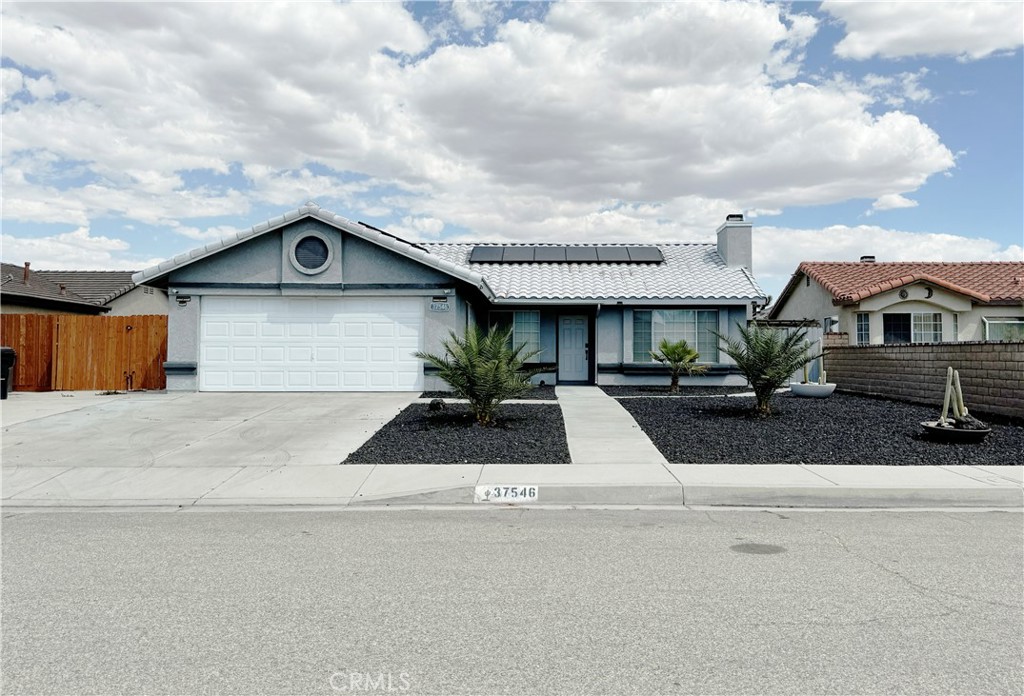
<point x="24" y="291"/>
<point x="113" y="290"/>
<point x="908" y="302"/>
<point x="312" y="301"/>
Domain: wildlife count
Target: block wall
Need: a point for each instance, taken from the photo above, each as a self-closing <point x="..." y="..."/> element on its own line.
<point x="991" y="374"/>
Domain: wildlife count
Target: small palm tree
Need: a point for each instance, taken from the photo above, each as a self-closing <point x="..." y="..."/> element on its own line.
<point x="767" y="358"/>
<point x="680" y="358"/>
<point x="485" y="369"/>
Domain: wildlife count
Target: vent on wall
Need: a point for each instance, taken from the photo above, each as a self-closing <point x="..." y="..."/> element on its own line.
<point x="566" y="254"/>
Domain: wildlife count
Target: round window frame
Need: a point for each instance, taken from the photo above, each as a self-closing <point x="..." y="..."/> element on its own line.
<point x="295" y="261"/>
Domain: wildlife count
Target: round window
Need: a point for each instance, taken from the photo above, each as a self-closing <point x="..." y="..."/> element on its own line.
<point x="311" y="254"/>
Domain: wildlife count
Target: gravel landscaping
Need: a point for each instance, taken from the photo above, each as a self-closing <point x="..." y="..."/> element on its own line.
<point x="524" y="434"/>
<point x="843" y="429"/>
<point x="545" y="393"/>
<point x="662" y="390"/>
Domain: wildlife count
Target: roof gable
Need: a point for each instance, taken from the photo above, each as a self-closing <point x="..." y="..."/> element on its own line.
<point x="849" y="282"/>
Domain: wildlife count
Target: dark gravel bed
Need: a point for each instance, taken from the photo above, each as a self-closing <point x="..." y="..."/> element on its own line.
<point x="662" y="390"/>
<point x="546" y="393"/>
<point x="843" y="429"/>
<point x="524" y="434"/>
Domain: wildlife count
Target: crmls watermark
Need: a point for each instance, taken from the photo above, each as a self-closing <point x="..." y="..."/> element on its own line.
<point x="381" y="682"/>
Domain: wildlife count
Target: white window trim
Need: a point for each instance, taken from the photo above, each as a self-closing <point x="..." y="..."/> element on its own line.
<point x="987" y="321"/>
<point x="701" y="361"/>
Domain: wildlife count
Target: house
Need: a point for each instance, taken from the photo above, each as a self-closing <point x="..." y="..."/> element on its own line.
<point x="113" y="290"/>
<point x="908" y="302"/>
<point x="312" y="301"/>
<point x="24" y="291"/>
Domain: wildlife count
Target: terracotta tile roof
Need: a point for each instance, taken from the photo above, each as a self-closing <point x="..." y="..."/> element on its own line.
<point x="995" y="282"/>
<point x="98" y="287"/>
<point x="40" y="291"/>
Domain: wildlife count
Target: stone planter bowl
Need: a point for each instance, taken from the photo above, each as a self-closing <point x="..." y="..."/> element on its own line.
<point x="813" y="390"/>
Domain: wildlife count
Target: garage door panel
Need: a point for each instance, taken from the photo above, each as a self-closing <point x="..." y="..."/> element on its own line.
<point x="310" y="344"/>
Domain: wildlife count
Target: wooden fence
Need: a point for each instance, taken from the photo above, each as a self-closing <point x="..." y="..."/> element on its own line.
<point x="71" y="352"/>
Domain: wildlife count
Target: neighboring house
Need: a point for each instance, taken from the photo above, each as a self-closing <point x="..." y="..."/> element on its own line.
<point x="113" y="290"/>
<point x="24" y="291"/>
<point x="311" y="301"/>
<point x="908" y="302"/>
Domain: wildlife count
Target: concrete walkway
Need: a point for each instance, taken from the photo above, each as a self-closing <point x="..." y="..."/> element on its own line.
<point x="600" y="431"/>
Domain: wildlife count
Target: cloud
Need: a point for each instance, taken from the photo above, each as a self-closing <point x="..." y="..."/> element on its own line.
<point x="891" y="201"/>
<point x="76" y="250"/>
<point x="966" y="30"/>
<point x="602" y="120"/>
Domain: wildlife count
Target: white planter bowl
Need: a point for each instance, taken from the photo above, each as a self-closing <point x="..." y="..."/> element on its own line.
<point x="813" y="390"/>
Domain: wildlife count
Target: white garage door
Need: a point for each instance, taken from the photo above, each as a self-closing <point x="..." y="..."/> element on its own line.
<point x="310" y="344"/>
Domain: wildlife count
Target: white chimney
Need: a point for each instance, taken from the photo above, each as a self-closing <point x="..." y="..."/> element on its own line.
<point x="735" y="242"/>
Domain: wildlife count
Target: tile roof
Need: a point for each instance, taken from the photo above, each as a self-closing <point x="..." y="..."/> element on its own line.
<point x="988" y="282"/>
<point x="98" y="287"/>
<point x="40" y="290"/>
<point x="689" y="271"/>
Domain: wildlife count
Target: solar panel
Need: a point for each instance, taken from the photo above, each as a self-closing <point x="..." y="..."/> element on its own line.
<point x="549" y="254"/>
<point x="486" y="254"/>
<point x="581" y="254"/>
<point x="613" y="255"/>
<point x="517" y="254"/>
<point x="645" y="255"/>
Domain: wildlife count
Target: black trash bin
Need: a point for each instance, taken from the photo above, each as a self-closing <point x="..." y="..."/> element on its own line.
<point x="7" y="360"/>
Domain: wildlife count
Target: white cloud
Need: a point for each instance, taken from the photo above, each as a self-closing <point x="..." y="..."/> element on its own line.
<point x="778" y="251"/>
<point x="76" y="250"/>
<point x="604" y="120"/>
<point x="475" y="15"/>
<point x="967" y="30"/>
<point x="892" y="201"/>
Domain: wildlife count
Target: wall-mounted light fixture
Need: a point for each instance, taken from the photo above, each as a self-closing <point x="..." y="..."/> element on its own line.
<point x="184" y="300"/>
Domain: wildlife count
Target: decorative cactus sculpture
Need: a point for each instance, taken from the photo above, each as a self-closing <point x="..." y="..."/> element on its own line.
<point x="954" y="397"/>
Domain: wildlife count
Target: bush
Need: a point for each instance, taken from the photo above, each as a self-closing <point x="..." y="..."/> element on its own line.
<point x="767" y="358"/>
<point x="680" y="358"/>
<point x="485" y="369"/>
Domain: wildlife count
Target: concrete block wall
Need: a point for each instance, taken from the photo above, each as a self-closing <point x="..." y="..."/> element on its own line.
<point x="991" y="374"/>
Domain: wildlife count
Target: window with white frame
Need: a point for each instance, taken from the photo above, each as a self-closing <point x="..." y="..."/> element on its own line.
<point x="695" y="326"/>
<point x="956" y="327"/>
<point x="525" y="329"/>
<point x="863" y="328"/>
<point x="1004" y="328"/>
<point x="916" y="327"/>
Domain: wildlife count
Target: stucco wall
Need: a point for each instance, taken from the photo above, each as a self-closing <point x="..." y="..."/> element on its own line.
<point x="137" y="301"/>
<point x="991" y="374"/>
<point x="808" y="302"/>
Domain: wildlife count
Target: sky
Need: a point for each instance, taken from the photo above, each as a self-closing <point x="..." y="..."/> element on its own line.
<point x="133" y="132"/>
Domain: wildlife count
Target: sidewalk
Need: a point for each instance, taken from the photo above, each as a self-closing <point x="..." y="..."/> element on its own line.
<point x="614" y="463"/>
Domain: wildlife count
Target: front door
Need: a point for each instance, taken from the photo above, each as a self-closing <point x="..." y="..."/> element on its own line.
<point x="573" y="349"/>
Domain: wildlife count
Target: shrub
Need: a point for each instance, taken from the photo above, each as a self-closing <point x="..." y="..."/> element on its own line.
<point x="767" y="358"/>
<point x="680" y="358"/>
<point x="485" y="369"/>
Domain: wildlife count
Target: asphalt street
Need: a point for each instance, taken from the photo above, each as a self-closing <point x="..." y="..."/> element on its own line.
<point x="513" y="601"/>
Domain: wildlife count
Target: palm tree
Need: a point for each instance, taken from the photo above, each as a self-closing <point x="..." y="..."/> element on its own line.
<point x="485" y="369"/>
<point x="680" y="358"/>
<point x="767" y="358"/>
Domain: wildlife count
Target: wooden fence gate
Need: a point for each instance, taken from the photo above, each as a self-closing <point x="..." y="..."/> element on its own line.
<point x="70" y="352"/>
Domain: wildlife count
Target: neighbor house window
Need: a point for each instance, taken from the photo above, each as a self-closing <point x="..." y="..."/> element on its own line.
<point x="956" y="327"/>
<point x="863" y="329"/>
<point x="917" y="327"/>
<point x="525" y="328"/>
<point x="1004" y="328"/>
<point x="695" y="326"/>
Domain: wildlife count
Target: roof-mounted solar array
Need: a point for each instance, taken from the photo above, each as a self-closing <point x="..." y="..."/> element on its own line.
<point x="566" y="254"/>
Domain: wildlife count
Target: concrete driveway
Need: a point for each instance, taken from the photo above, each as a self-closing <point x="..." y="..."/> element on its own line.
<point x="147" y="429"/>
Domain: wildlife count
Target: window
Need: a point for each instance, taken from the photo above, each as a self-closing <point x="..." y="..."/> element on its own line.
<point x="311" y="254"/>
<point x="863" y="328"/>
<point x="695" y="326"/>
<point x="919" y="327"/>
<point x="1004" y="328"/>
<point x="525" y="328"/>
<point x="956" y="327"/>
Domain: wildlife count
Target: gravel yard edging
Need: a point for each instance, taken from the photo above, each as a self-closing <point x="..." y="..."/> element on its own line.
<point x="545" y="393"/>
<point x="524" y="434"/>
